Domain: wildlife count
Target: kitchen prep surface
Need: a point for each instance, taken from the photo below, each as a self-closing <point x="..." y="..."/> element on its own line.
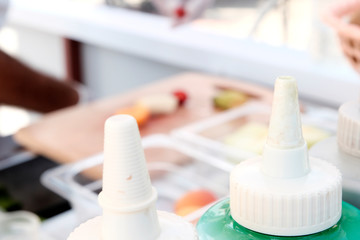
<point x="76" y="133"/>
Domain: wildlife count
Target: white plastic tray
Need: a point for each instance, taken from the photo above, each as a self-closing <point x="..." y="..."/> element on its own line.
<point x="184" y="169"/>
<point x="197" y="134"/>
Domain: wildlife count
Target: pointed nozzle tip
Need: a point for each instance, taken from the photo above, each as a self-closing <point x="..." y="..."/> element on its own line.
<point x="285" y="152"/>
<point x="125" y="178"/>
<point x="285" y="129"/>
<point x="286" y="78"/>
<point x="118" y="122"/>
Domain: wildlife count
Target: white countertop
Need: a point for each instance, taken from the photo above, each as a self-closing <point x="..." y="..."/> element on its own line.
<point x="151" y="37"/>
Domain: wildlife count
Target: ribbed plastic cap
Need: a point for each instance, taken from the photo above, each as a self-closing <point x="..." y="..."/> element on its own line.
<point x="348" y="132"/>
<point x="284" y="192"/>
<point x="128" y="198"/>
<point x="126" y="181"/>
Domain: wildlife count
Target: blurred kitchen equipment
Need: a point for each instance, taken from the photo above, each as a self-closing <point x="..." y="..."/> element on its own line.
<point x="19" y="225"/>
<point x="140" y="5"/>
<point x="265" y="9"/>
<point x="182" y="11"/>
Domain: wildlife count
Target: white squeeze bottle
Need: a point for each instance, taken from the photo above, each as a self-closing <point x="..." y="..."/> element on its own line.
<point x="128" y="198"/>
<point x="344" y="150"/>
<point x="285" y="193"/>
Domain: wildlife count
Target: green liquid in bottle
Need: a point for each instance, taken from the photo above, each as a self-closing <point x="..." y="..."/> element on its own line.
<point x="217" y="224"/>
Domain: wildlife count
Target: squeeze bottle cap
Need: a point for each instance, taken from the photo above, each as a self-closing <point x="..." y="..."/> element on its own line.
<point x="285" y="124"/>
<point x="348" y="132"/>
<point x="126" y="181"/>
<point x="128" y="198"/>
<point x="285" y="192"/>
<point x="285" y="151"/>
<point x="127" y="190"/>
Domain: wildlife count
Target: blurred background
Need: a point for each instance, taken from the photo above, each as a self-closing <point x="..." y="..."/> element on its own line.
<point x="122" y="44"/>
<point x="198" y="72"/>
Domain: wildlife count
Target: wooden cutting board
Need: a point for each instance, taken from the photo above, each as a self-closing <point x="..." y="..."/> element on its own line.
<point x="75" y="133"/>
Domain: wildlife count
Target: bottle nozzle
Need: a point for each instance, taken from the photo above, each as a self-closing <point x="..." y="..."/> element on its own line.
<point x="285" y="124"/>
<point x="125" y="177"/>
<point x="127" y="197"/>
<point x="285" y="152"/>
<point x="280" y="184"/>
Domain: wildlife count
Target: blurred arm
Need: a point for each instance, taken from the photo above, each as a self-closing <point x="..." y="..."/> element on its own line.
<point x="21" y="86"/>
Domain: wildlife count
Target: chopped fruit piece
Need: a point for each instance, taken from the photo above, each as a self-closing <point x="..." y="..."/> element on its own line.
<point x="193" y="200"/>
<point x="187" y="210"/>
<point x="249" y="137"/>
<point x="139" y="112"/>
<point x="159" y="104"/>
<point x="181" y="96"/>
<point x="229" y="98"/>
<point x="180" y="12"/>
<point x="314" y="135"/>
<point x="252" y="136"/>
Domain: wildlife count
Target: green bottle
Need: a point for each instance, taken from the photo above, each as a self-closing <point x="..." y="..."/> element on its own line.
<point x="284" y="194"/>
<point x="217" y="224"/>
